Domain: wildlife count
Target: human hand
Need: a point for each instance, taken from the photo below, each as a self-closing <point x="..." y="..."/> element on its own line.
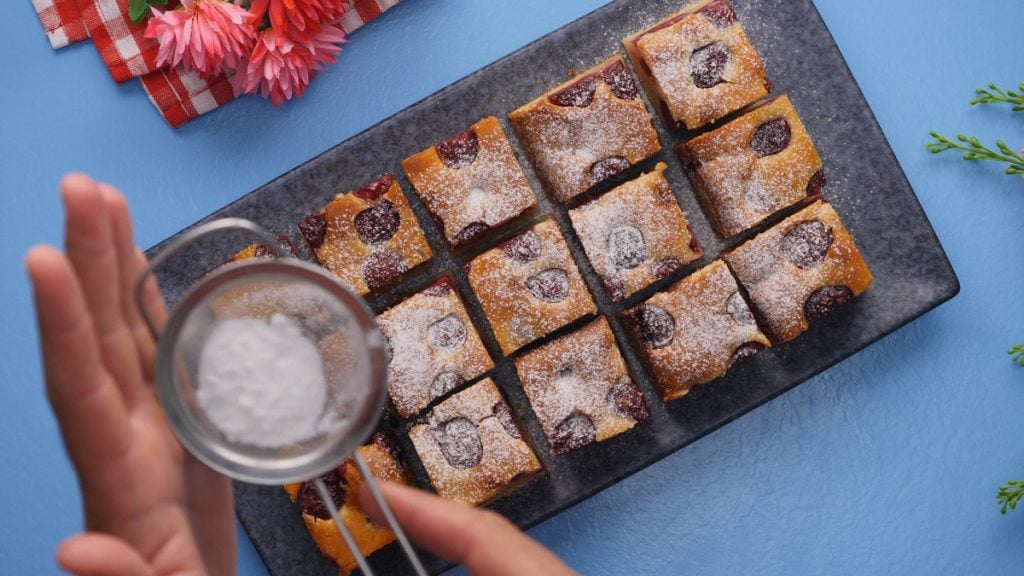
<point x="150" y="507"/>
<point x="483" y="541"/>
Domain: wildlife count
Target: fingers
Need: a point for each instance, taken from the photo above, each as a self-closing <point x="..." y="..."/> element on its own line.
<point x="94" y="554"/>
<point x="88" y="405"/>
<point x="93" y="253"/>
<point x="483" y="541"/>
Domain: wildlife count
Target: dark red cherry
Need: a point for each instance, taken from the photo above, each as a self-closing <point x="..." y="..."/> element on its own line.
<point x="314" y="229"/>
<point x="744" y="351"/>
<point x="719" y="13"/>
<point x="504" y="415"/>
<point x="816" y="183"/>
<point x="604" y="169"/>
<point x="441" y="287"/>
<point x="575" y="431"/>
<point x="448" y="333"/>
<point x="284" y="246"/>
<point x="470" y="232"/>
<point x="460" y="443"/>
<point x="626" y="399"/>
<point x="523" y="248"/>
<point x="737" y="307"/>
<point x="378" y="223"/>
<point x="580" y="94"/>
<point x="551" y="285"/>
<point x="614" y="288"/>
<point x="460" y="150"/>
<point x="444" y="383"/>
<point x="807" y="244"/>
<point x="312" y="504"/>
<point x="657" y="326"/>
<point x="381" y="268"/>
<point x="374" y="190"/>
<point x="664" y="268"/>
<point x="626" y="247"/>
<point x="771" y="137"/>
<point x="826" y="299"/>
<point x="694" y="243"/>
<point x="707" y="65"/>
<point x="618" y="79"/>
<point x="264" y="251"/>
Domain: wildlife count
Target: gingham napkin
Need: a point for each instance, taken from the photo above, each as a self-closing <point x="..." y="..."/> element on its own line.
<point x="179" y="96"/>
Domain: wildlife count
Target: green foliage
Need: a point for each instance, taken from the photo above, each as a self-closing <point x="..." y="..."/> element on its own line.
<point x="139" y="9"/>
<point x="1017" y="352"/>
<point x="974" y="150"/>
<point x="1010" y="494"/>
<point x="993" y="95"/>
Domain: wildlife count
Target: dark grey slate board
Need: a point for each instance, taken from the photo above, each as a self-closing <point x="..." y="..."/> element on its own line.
<point x="866" y="185"/>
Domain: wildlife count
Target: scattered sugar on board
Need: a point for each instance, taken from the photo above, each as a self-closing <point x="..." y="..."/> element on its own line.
<point x="261" y="382"/>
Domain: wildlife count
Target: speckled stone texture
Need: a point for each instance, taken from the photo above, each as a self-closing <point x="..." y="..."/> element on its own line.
<point x="866" y="185"/>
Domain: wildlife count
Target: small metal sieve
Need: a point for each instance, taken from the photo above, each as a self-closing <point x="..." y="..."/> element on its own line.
<point x="334" y="319"/>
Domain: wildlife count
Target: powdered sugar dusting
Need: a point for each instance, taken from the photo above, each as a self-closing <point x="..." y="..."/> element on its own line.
<point x="576" y="374"/>
<point x="706" y="332"/>
<point x="526" y="299"/>
<point x="490" y="191"/>
<point x="626" y="232"/>
<point x="778" y="287"/>
<point x="738" y="187"/>
<point x="430" y="335"/>
<point x="564" y="142"/>
<point x="503" y="457"/>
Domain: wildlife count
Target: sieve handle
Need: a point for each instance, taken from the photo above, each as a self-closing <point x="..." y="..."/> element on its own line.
<point x="371" y="483"/>
<point x="188" y="237"/>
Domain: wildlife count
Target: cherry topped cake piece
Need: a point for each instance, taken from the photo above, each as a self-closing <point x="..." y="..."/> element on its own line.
<point x="433" y="347"/>
<point x="754" y="166"/>
<point x="698" y="65"/>
<point x="800" y="270"/>
<point x="369" y="238"/>
<point x="635" y="234"/>
<point x="529" y="286"/>
<point x="586" y="130"/>
<point x="580" y="389"/>
<point x="695" y="331"/>
<point x="284" y="246"/>
<point x="472" y="447"/>
<point x="471" y="183"/>
<point x="384" y="460"/>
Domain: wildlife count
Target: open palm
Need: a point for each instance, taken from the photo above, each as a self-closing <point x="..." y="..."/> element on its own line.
<point x="150" y="507"/>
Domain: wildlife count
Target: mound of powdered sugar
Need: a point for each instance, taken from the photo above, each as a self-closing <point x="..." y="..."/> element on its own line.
<point x="262" y="382"/>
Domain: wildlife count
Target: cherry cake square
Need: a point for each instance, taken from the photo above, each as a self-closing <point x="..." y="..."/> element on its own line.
<point x="579" y="388"/>
<point x="471" y="183"/>
<point x="635" y="234"/>
<point x="586" y="130"/>
<point x="800" y="270"/>
<point x="695" y="331"/>
<point x="471" y="446"/>
<point x="753" y="167"/>
<point x="697" y="65"/>
<point x="369" y="238"/>
<point x="433" y="347"/>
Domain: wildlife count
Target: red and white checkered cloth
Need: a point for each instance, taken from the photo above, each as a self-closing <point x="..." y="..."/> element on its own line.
<point x="179" y="96"/>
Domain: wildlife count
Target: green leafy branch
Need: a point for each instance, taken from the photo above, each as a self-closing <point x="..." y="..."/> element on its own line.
<point x="1017" y="353"/>
<point x="994" y="95"/>
<point x="975" y="150"/>
<point x="1010" y="494"/>
<point x="139" y="9"/>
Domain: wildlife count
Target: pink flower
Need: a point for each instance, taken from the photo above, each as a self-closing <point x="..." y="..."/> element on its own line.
<point x="297" y="13"/>
<point x="280" y="66"/>
<point x="205" y="35"/>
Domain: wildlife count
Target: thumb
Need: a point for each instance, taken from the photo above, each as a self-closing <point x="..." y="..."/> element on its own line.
<point x="96" y="554"/>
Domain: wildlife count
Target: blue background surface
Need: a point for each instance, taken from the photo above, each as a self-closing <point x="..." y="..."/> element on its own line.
<point x="887" y="463"/>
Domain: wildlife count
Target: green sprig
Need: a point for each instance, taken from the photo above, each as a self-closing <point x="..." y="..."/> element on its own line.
<point x="1017" y="352"/>
<point x="993" y="95"/>
<point x="1010" y="494"/>
<point x="974" y="150"/>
